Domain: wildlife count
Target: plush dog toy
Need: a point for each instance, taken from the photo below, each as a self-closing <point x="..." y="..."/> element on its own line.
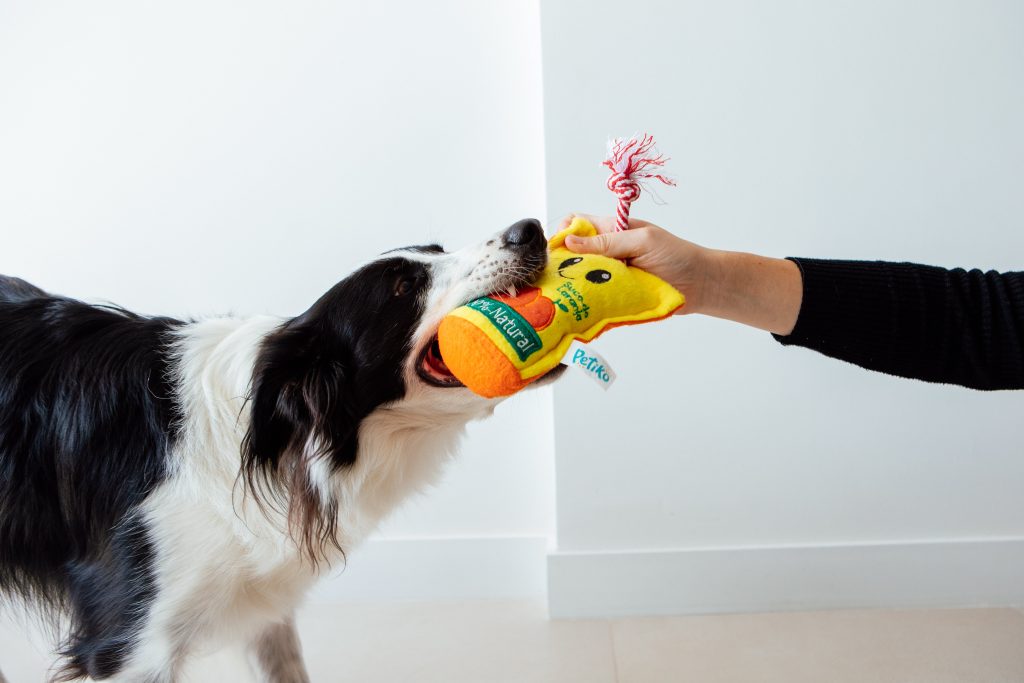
<point x="497" y="344"/>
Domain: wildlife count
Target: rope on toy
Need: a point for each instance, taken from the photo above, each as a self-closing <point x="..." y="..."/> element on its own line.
<point x="632" y="161"/>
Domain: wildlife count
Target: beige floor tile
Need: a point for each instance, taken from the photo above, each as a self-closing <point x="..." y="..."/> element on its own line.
<point x="499" y="642"/>
<point x="863" y="646"/>
<point x="465" y="642"/>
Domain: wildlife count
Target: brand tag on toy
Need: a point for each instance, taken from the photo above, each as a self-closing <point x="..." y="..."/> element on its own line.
<point x="590" y="362"/>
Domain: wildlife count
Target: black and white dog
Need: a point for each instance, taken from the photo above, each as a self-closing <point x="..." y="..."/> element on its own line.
<point x="165" y="483"/>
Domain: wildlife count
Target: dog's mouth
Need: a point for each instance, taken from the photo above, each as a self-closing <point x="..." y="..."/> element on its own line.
<point x="432" y="369"/>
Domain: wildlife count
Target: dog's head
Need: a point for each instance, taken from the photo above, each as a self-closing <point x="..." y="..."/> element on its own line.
<point x="371" y="342"/>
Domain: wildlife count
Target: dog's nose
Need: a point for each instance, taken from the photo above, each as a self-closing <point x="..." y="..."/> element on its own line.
<point x="524" y="233"/>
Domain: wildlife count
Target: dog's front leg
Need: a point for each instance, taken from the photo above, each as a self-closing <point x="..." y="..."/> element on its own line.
<point x="276" y="654"/>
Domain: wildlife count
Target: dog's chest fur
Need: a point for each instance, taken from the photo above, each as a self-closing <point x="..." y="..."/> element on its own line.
<point x="225" y="562"/>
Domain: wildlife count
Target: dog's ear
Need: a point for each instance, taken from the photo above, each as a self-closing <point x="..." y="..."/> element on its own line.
<point x="303" y="415"/>
<point x="301" y="403"/>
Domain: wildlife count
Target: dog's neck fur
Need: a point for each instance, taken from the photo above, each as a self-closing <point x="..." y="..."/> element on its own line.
<point x="227" y="564"/>
<point x="402" y="446"/>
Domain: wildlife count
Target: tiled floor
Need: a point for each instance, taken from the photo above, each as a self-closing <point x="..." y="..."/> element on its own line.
<point x="506" y="642"/>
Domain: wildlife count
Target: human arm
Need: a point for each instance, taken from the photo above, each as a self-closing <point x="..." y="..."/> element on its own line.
<point x="746" y="288"/>
<point x="950" y="326"/>
<point x="923" y="322"/>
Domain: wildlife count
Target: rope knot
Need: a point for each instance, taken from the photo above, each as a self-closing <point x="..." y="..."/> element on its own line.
<point x="627" y="189"/>
<point x="629" y="161"/>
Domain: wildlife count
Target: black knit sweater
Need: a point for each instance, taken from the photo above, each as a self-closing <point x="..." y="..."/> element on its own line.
<point x="951" y="326"/>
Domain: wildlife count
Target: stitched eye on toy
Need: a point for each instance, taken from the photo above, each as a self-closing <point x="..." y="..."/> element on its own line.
<point x="569" y="262"/>
<point x="599" y="277"/>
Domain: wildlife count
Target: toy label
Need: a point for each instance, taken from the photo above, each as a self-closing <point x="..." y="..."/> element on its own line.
<point x="517" y="332"/>
<point x="590" y="363"/>
<point x="573" y="301"/>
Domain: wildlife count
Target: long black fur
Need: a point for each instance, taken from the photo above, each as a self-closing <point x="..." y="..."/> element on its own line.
<point x="321" y="373"/>
<point x="87" y="417"/>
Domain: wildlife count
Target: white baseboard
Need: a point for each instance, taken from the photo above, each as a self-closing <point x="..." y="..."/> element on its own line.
<point x="955" y="573"/>
<point x="475" y="568"/>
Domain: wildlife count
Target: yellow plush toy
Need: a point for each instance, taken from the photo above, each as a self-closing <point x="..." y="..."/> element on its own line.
<point x="496" y="344"/>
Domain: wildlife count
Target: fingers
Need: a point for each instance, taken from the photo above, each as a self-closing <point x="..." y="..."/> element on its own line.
<point x="608" y="241"/>
<point x="602" y="223"/>
<point x="620" y="245"/>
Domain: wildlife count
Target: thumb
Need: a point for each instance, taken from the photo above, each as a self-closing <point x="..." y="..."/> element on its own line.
<point x="621" y="245"/>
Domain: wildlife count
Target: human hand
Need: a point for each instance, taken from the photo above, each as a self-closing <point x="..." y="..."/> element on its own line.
<point x="682" y="264"/>
<point x="754" y="290"/>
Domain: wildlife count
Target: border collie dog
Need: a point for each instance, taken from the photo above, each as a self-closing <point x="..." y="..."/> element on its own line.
<point x="166" y="483"/>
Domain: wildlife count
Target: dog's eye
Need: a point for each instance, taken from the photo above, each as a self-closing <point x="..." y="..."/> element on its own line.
<point x="405" y="286"/>
<point x="569" y="262"/>
<point x="599" y="277"/>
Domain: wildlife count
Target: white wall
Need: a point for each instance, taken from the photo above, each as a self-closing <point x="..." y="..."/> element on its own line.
<point x="724" y="471"/>
<point x="207" y="157"/>
<point x="193" y="158"/>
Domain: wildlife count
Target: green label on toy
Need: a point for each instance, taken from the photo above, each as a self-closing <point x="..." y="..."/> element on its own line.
<point x="517" y="332"/>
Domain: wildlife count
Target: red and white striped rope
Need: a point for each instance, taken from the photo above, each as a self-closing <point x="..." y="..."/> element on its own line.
<point x="632" y="161"/>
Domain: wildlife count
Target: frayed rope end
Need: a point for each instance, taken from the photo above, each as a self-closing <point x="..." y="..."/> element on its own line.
<point x="631" y="161"/>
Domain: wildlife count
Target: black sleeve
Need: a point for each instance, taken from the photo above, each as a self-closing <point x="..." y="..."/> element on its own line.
<point x="951" y="326"/>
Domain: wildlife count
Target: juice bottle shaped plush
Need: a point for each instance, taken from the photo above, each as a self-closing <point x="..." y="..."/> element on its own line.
<point x="498" y="344"/>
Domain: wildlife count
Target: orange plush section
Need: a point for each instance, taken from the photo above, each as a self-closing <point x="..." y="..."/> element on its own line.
<point x="475" y="360"/>
<point x="530" y="303"/>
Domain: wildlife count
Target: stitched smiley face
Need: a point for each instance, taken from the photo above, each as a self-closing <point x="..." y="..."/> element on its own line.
<point x="598" y="276"/>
